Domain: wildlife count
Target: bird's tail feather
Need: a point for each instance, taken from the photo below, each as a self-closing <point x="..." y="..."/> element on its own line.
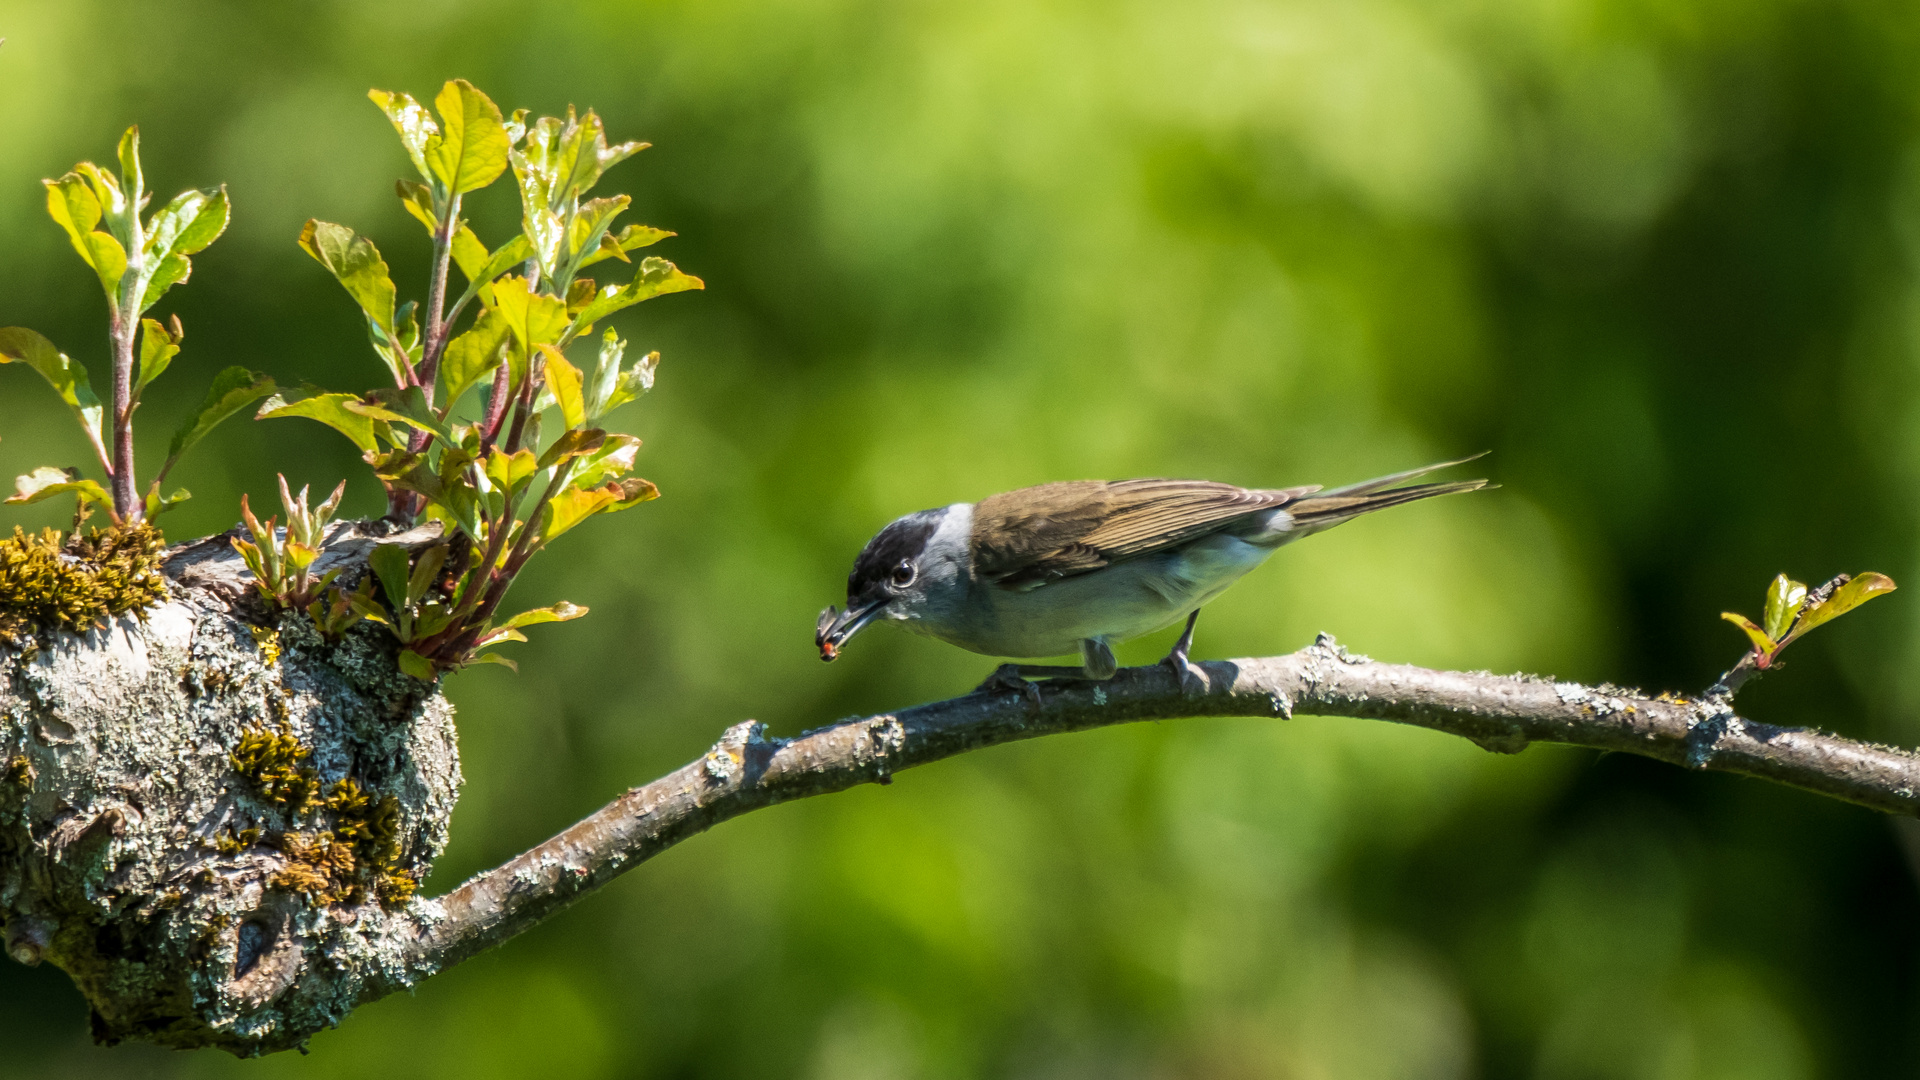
<point x="1378" y="483"/>
<point x="1326" y="510"/>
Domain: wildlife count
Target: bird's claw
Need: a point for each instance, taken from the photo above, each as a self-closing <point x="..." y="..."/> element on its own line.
<point x="1007" y="679"/>
<point x="1191" y="677"/>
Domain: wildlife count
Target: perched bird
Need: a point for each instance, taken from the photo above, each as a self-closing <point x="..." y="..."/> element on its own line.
<point x="1085" y="564"/>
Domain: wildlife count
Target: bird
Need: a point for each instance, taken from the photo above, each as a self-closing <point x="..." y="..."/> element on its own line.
<point x="1079" y="566"/>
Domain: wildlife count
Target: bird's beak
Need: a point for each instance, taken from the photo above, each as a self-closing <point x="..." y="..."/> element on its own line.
<point x="836" y="627"/>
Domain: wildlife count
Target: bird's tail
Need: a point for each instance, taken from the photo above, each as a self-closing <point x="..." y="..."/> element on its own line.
<point x="1325" y="509"/>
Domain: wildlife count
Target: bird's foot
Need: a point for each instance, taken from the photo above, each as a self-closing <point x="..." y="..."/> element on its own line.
<point x="1191" y="676"/>
<point x="1007" y="679"/>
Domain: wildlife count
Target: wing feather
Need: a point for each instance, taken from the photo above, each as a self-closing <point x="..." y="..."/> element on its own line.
<point x="1035" y="535"/>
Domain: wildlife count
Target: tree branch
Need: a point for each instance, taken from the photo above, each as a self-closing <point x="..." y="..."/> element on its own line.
<point x="748" y="770"/>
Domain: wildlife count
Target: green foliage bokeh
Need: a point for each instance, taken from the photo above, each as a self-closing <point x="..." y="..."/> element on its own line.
<point x="1658" y="257"/>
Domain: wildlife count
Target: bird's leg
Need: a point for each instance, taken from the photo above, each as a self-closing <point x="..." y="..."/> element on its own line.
<point x="1099" y="665"/>
<point x="1097" y="660"/>
<point x="1192" y="679"/>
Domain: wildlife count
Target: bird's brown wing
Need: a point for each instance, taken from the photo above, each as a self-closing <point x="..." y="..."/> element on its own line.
<point x="1029" y="537"/>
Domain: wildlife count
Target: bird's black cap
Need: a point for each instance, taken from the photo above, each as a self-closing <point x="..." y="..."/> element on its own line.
<point x="901" y="541"/>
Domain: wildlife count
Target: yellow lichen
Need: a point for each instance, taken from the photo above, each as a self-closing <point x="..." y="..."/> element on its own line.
<point x="19" y="771"/>
<point x="270" y="759"/>
<point x="320" y="867"/>
<point x="269" y="642"/>
<point x="79" y="584"/>
<point x="358" y="843"/>
<point x="395" y="888"/>
<point x="232" y="843"/>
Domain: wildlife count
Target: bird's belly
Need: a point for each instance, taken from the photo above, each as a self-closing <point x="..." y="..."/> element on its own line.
<point x="1112" y="604"/>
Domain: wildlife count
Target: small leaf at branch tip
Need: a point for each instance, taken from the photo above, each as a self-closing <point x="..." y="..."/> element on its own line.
<point x="1856" y="591"/>
<point x="1762" y="644"/>
<point x="1784" y="599"/>
<point x="560" y="612"/>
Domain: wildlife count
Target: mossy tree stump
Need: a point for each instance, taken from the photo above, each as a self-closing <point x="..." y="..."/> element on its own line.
<point x="211" y="818"/>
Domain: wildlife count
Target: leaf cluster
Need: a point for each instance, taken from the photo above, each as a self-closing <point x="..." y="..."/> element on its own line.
<point x="1791" y="611"/>
<point x="280" y="558"/>
<point x="532" y="458"/>
<point x="136" y="260"/>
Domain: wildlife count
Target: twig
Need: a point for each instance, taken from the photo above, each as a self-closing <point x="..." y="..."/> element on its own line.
<point x="748" y="769"/>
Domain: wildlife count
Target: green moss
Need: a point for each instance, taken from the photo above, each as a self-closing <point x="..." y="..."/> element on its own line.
<point x="79" y="584"/>
<point x="19" y="772"/>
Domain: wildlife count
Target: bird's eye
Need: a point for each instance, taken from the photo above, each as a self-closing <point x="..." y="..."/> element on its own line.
<point x="903" y="575"/>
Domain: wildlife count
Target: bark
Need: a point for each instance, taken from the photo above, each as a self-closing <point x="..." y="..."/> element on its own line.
<point x="125" y="856"/>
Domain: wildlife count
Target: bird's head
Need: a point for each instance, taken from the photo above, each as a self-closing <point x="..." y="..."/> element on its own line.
<point x="890" y="580"/>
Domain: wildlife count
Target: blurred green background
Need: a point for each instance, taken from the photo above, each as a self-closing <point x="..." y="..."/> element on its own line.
<point x="1659" y="256"/>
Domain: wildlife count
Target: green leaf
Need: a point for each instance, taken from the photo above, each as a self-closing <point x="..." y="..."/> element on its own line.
<point x="404" y="406"/>
<point x="389" y="563"/>
<point x="571" y="507"/>
<point x="508" y="472"/>
<point x="630" y="238"/>
<point x="1762" y="644"/>
<point x="156" y="505"/>
<point x="106" y="189"/>
<point x="612" y="459"/>
<point x="1855" y="592"/>
<point x="533" y="318"/>
<point x="474" y="355"/>
<point x="329" y="409"/>
<point x="188" y="224"/>
<point x="472" y="150"/>
<point x="357" y="265"/>
<point x="573" y="443"/>
<point x="479" y="278"/>
<point x="495" y="658"/>
<point x="560" y="612"/>
<point x="611" y="386"/>
<point x="590" y="223"/>
<point x="75" y="208"/>
<point x="73" y="203"/>
<point x="232" y="390"/>
<point x="413" y="122"/>
<point x="418" y="199"/>
<point x="564" y="379"/>
<point x="1784" y="598"/>
<point x="158" y="347"/>
<point x="657" y="277"/>
<point x="506" y="257"/>
<point x="67" y="377"/>
<point x="131" y="180"/>
<point x="469" y="254"/>
<point x="169" y="272"/>
<point x="193" y="220"/>
<point x="412" y="663"/>
<point x="424" y="571"/>
<point x="47" y="481"/>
